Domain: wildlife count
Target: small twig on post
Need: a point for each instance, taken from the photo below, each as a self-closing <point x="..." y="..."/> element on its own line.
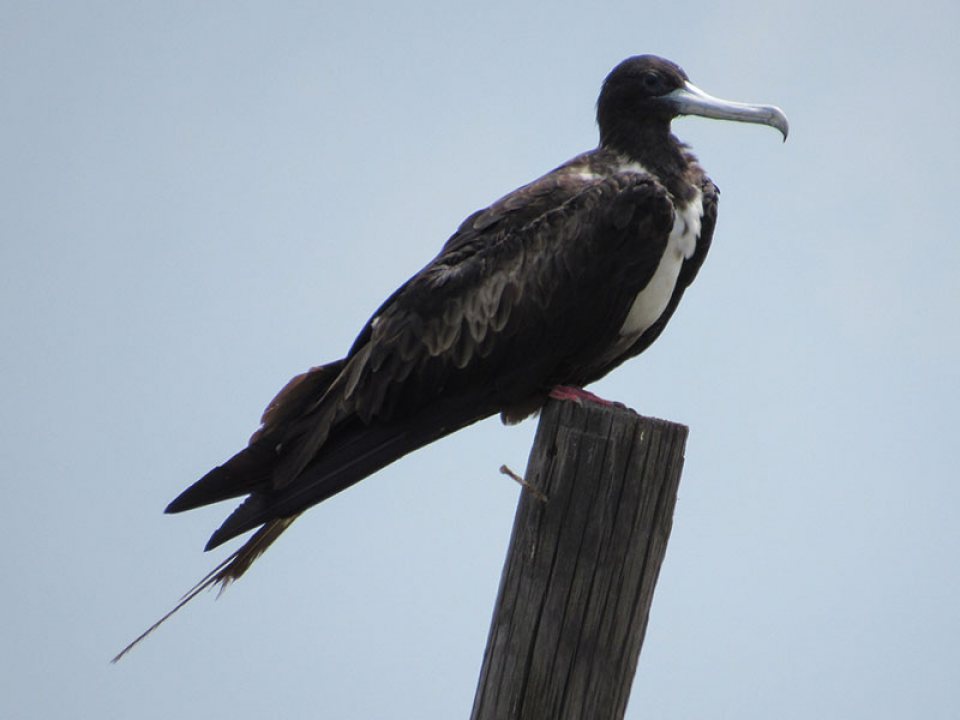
<point x="578" y="581"/>
<point x="504" y="470"/>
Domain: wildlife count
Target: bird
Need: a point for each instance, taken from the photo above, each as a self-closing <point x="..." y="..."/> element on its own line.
<point x="533" y="297"/>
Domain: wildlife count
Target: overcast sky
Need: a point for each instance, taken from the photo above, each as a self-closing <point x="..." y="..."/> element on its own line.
<point x="199" y="200"/>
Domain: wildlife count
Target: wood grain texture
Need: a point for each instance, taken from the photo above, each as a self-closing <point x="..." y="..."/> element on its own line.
<point x="581" y="568"/>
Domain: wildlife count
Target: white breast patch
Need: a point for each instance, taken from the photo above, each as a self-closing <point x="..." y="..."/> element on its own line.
<point x="650" y="302"/>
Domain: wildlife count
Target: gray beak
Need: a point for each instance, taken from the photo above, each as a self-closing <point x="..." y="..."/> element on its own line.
<point x="691" y="100"/>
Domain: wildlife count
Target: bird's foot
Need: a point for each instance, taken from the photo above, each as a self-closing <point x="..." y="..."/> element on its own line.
<point x="579" y="396"/>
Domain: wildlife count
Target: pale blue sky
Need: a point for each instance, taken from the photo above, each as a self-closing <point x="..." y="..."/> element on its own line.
<point x="199" y="200"/>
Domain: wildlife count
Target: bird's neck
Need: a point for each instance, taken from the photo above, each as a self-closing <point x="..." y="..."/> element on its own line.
<point x="660" y="152"/>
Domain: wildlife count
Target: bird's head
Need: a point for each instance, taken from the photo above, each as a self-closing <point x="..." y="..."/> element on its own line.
<point x="644" y="93"/>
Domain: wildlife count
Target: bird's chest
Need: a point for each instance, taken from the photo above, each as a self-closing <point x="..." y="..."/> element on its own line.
<point x="652" y="300"/>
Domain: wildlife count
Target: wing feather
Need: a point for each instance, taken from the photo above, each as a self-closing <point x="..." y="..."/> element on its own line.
<point x="517" y="301"/>
<point x="514" y="275"/>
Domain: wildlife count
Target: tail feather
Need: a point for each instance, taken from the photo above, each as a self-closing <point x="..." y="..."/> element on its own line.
<point x="242" y="474"/>
<point x="308" y="411"/>
<point x="252" y="468"/>
<point x="350" y="454"/>
<point x="223" y="574"/>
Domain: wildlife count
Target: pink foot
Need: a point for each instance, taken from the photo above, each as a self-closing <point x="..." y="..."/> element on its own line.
<point x="579" y="396"/>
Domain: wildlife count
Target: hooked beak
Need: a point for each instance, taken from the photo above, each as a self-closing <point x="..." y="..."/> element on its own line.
<point x="691" y="100"/>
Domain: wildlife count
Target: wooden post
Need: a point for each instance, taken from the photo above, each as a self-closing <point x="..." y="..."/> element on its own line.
<point x="581" y="568"/>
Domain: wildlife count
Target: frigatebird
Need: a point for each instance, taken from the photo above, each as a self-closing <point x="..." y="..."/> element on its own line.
<point x="541" y="293"/>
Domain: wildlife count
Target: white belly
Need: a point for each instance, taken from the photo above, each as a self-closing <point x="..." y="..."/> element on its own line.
<point x="650" y="302"/>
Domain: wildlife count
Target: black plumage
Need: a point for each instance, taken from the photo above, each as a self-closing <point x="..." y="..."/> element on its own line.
<point x="555" y="284"/>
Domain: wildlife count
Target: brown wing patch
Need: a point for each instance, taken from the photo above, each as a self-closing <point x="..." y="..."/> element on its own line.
<point x="502" y="301"/>
<point x="296" y="397"/>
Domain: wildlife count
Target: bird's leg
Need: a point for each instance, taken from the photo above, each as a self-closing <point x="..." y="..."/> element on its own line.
<point x="579" y="396"/>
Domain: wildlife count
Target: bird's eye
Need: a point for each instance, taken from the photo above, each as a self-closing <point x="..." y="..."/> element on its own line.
<point x="651" y="81"/>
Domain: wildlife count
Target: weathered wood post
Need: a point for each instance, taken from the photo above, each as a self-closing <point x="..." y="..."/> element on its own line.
<point x="581" y="568"/>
